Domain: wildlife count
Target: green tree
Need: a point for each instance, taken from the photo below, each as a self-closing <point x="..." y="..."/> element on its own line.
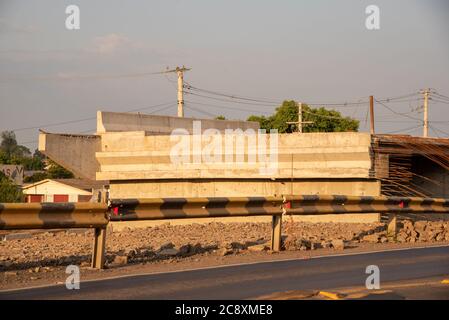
<point x="9" y="192"/>
<point x="38" y="176"/>
<point x="220" y="117"/>
<point x="11" y="149"/>
<point x="57" y="172"/>
<point x="13" y="153"/>
<point x="9" y="143"/>
<point x="323" y="120"/>
<point x="264" y="122"/>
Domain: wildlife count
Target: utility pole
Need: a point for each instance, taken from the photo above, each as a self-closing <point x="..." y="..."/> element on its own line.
<point x="426" y="113"/>
<point x="180" y="72"/>
<point x="371" y="112"/>
<point x="299" y="117"/>
<point x="299" y="123"/>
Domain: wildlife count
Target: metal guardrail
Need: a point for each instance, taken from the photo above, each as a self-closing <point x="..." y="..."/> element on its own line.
<point x="96" y="215"/>
<point x="307" y="205"/>
<point x="59" y="216"/>
<point x="178" y="208"/>
<point x="53" y="215"/>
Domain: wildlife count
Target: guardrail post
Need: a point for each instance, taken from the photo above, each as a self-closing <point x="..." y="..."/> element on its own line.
<point x="276" y="233"/>
<point x="98" y="254"/>
<point x="392" y="226"/>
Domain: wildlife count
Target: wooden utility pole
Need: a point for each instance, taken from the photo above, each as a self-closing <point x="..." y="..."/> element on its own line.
<point x="371" y="113"/>
<point x="426" y="113"/>
<point x="180" y="73"/>
<point x="299" y="123"/>
<point x="299" y="117"/>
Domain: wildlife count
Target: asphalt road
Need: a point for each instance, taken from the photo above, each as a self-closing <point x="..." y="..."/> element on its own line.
<point x="253" y="280"/>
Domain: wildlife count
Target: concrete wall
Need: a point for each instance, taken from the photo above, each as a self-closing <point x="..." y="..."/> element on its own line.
<point x="155" y="124"/>
<point x="241" y="188"/>
<point x="73" y="152"/>
<point x="138" y="156"/>
<point x="118" y="226"/>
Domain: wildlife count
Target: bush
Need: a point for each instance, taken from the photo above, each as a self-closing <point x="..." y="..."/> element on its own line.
<point x="9" y="192"/>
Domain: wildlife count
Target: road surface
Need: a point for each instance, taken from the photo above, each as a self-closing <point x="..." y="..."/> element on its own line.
<point x="258" y="279"/>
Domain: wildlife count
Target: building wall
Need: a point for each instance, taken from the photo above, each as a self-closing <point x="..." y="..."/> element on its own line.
<point x="51" y="188"/>
<point x="157" y="124"/>
<point x="74" y="152"/>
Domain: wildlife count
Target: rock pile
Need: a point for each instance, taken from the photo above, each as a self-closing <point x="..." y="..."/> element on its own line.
<point x="168" y="242"/>
<point x="424" y="231"/>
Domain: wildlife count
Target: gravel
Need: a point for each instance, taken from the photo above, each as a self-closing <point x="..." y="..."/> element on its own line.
<point x="43" y="251"/>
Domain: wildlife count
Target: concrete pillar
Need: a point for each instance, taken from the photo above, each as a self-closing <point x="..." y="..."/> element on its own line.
<point x="98" y="254"/>
<point x="276" y="233"/>
<point x="392" y="226"/>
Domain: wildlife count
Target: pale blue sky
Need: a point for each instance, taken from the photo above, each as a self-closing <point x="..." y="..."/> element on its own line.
<point x="312" y="51"/>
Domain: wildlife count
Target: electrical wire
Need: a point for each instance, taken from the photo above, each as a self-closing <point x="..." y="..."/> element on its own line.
<point x="441" y="96"/>
<point x="231" y="96"/>
<point x="439" y="101"/>
<point x="84" y="119"/>
<point x="200" y="111"/>
<point x="397" y="113"/>
<point x="152" y="112"/>
<point x="403" y="130"/>
<point x="227" y="107"/>
<point x="239" y="102"/>
<point x="437" y="129"/>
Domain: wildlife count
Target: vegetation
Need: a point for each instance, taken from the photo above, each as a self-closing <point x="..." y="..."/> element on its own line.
<point x="9" y="192"/>
<point x="323" y="120"/>
<point x="13" y="153"/>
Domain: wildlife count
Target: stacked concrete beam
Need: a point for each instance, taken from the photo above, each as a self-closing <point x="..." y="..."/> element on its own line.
<point x="132" y="151"/>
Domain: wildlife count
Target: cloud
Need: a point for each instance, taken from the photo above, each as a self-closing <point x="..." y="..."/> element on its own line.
<point x="111" y="43"/>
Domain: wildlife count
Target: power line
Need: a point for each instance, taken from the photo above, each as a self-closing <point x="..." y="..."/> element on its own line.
<point x="437" y="129"/>
<point x="397" y="113"/>
<point x="231" y="96"/>
<point x="442" y="96"/>
<point x="152" y="112"/>
<point x="404" y="130"/>
<point x="324" y="116"/>
<point x="239" y="102"/>
<point x="270" y="102"/>
<point x="439" y="101"/>
<point x="227" y="107"/>
<point x="265" y="100"/>
<point x="85" y="119"/>
<point x="390" y="99"/>
<point x="200" y="111"/>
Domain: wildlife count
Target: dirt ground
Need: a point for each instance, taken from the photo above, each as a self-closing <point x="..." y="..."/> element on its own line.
<point x="40" y="258"/>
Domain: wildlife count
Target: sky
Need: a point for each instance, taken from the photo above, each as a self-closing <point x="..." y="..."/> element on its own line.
<point x="311" y="51"/>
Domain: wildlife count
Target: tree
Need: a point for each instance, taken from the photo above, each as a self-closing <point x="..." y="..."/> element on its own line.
<point x="38" y="176"/>
<point x="220" y="117"/>
<point x="9" y="143"/>
<point x="9" y="192"/>
<point x="323" y="120"/>
<point x="57" y="172"/>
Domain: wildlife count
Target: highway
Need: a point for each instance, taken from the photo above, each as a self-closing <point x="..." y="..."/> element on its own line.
<point x="257" y="279"/>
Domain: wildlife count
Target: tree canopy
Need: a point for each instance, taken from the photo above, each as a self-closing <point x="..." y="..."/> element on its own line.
<point x="13" y="153"/>
<point x="9" y="192"/>
<point x="323" y="120"/>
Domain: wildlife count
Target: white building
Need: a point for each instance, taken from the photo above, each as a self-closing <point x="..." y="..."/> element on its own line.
<point x="62" y="190"/>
